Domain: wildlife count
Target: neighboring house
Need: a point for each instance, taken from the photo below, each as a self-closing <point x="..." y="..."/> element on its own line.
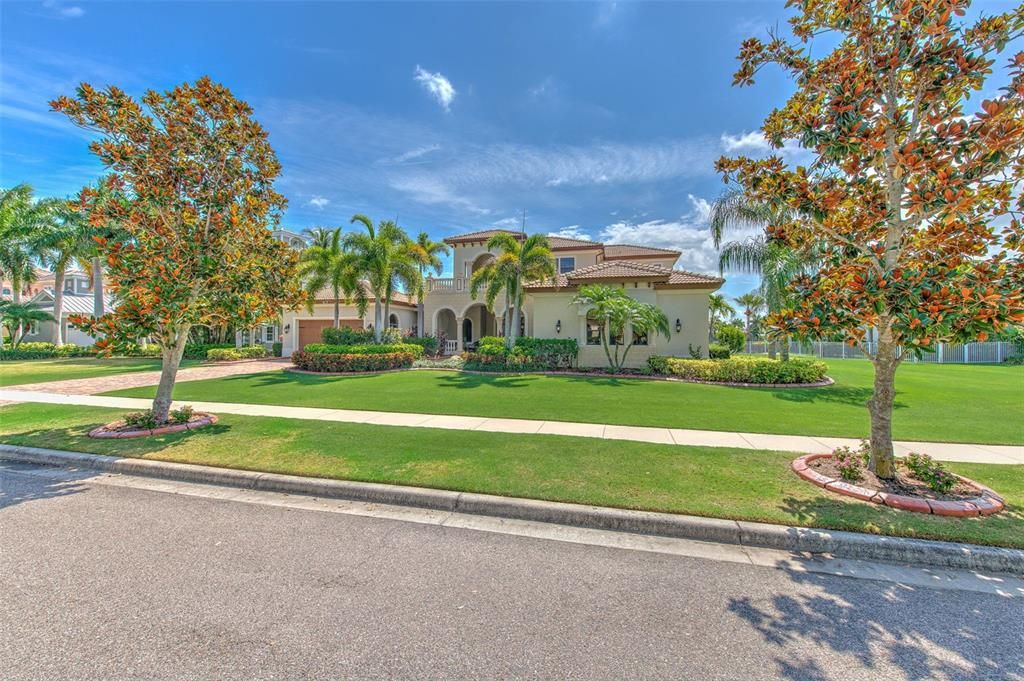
<point x="74" y="303"/>
<point x="548" y="312"/>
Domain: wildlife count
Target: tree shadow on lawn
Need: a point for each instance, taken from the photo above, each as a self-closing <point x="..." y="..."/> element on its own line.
<point x="923" y="633"/>
<point x="836" y="394"/>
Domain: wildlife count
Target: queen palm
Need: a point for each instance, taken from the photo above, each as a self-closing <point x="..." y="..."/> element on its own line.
<point x="752" y="303"/>
<point x="427" y="253"/>
<point x="384" y="255"/>
<point x="327" y="264"/>
<point x="519" y="261"/>
<point x="17" y="317"/>
<point x="778" y="265"/>
<point x="66" y="237"/>
<point x="718" y="308"/>
<point x="22" y="220"/>
<point x="319" y="236"/>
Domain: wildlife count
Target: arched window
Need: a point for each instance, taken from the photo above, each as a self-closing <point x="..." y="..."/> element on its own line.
<point x="393" y="321"/>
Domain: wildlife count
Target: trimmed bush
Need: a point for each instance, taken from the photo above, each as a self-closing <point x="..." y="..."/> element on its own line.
<point x="477" y="361"/>
<point x="252" y="351"/>
<point x="42" y="350"/>
<point x="223" y="355"/>
<point x="748" y="370"/>
<point x="345" y="363"/>
<point x="657" y="364"/>
<point x="554" y="353"/>
<point x="383" y="349"/>
<point x="136" y="350"/>
<point x="276" y="349"/>
<point x="731" y="337"/>
<point x="430" y="344"/>
<point x="199" y="350"/>
<point x="529" y="354"/>
<point x="346" y="336"/>
<point x="718" y="351"/>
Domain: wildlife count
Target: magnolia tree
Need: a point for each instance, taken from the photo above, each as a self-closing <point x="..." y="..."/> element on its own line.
<point x="617" y="313"/>
<point x="196" y="174"/>
<point x="912" y="199"/>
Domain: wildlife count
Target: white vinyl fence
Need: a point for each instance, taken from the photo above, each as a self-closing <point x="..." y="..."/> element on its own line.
<point x="969" y="353"/>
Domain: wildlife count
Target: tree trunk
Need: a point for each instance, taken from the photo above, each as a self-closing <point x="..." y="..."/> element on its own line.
<point x="882" y="462"/>
<point x="515" y="319"/>
<point x="772" y="349"/>
<point x="171" y="355"/>
<point x="97" y="286"/>
<point x="58" y="303"/>
<point x="376" y="318"/>
<point x="785" y="348"/>
<point x="16" y="299"/>
<point x="337" y="311"/>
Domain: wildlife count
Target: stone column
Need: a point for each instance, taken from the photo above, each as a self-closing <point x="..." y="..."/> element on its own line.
<point x="458" y="331"/>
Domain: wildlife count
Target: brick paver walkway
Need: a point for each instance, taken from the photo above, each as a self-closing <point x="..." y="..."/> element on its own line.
<point x="999" y="454"/>
<point x="138" y="379"/>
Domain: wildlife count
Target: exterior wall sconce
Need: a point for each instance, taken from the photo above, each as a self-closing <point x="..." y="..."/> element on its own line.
<point x="679" y="325"/>
<point x="558" y="326"/>
<point x="287" y="328"/>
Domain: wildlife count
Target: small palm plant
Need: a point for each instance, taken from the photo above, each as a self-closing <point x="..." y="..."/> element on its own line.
<point x="718" y="308"/>
<point x="326" y="264"/>
<point x="616" y="312"/>
<point x="752" y="304"/>
<point x="17" y="319"/>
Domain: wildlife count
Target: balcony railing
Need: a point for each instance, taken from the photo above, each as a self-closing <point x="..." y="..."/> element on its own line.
<point x="448" y="285"/>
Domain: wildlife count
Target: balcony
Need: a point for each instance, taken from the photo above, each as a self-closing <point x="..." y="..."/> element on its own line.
<point x="448" y="285"/>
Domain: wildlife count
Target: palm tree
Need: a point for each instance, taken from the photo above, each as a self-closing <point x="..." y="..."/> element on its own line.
<point x="615" y="310"/>
<point x="384" y="255"/>
<point x="520" y="261"/>
<point x="21" y="222"/>
<point x="752" y="303"/>
<point x="718" y="307"/>
<point x="67" y="238"/>
<point x="428" y="256"/>
<point x="326" y="263"/>
<point x="777" y="264"/>
<point x="92" y="260"/>
<point x="17" y="317"/>
<point x="319" y="236"/>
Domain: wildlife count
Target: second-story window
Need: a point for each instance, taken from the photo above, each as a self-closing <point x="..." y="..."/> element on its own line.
<point x="566" y="264"/>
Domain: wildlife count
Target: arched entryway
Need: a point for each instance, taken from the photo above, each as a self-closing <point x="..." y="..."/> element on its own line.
<point x="467" y="331"/>
<point x="393" y="321"/>
<point x="477" y="323"/>
<point x="446" y="327"/>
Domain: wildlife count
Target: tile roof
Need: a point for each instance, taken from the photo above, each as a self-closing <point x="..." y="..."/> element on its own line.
<point x="326" y="295"/>
<point x="619" y="270"/>
<point x="482" y="235"/>
<point x="557" y="242"/>
<point x="626" y="251"/>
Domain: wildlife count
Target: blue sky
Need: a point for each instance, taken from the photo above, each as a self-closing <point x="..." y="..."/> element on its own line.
<point x="600" y="120"/>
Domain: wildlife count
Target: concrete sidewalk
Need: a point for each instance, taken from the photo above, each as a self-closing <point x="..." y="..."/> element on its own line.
<point x="969" y="453"/>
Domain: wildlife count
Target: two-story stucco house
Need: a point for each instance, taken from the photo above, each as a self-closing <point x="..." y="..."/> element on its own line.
<point x="645" y="273"/>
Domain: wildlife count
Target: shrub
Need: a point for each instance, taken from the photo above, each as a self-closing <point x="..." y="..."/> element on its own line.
<point x="695" y="352"/>
<point x="223" y="355"/>
<point x="930" y="472"/>
<point x="199" y="350"/>
<point x="758" y="370"/>
<point x="252" y="351"/>
<point x="350" y="362"/>
<point x="322" y="348"/>
<point x="731" y="337"/>
<point x="145" y="420"/>
<point x="43" y="350"/>
<point x="718" y="351"/>
<point x="476" y="361"/>
<point x="453" y="362"/>
<point x="136" y="350"/>
<point x="346" y="336"/>
<point x="553" y="353"/>
<point x="183" y="414"/>
<point x="276" y="349"/>
<point x="390" y="336"/>
<point x="849" y="462"/>
<point x="491" y="345"/>
<point x="430" y="344"/>
<point x="657" y="364"/>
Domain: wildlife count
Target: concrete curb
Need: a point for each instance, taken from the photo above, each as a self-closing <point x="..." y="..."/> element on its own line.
<point x="840" y="544"/>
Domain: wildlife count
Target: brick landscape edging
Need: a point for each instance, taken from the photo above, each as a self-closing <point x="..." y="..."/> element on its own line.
<point x="986" y="503"/>
<point x="836" y="543"/>
<point x="106" y="432"/>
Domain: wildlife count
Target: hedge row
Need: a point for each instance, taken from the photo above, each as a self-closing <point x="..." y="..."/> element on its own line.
<point x="231" y="354"/>
<point x="759" y="370"/>
<point x="40" y="350"/>
<point x="346" y="336"/>
<point x="528" y="354"/>
<point x="383" y="349"/>
<point x="344" y="363"/>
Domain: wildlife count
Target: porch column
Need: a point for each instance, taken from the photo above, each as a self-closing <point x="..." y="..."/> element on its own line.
<point x="458" y="331"/>
<point x="499" y="325"/>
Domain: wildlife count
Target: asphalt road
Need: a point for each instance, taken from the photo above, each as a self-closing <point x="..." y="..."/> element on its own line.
<point x="117" y="582"/>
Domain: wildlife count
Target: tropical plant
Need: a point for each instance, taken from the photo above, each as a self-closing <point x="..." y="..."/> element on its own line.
<point x="520" y="260"/>
<point x="617" y="314"/>
<point x="911" y="202"/>
<point x="384" y="255"/>
<point x="67" y="237"/>
<point x="718" y="308"/>
<point x="21" y="221"/>
<point x="319" y="236"/>
<point x="752" y="304"/>
<point x="106" y="232"/>
<point x="731" y="337"/>
<point x="195" y="175"/>
<point x="17" y="318"/>
<point x="427" y="254"/>
<point x="325" y="264"/>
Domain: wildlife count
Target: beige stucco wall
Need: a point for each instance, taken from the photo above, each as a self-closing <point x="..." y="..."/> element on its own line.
<point x="290" y="327"/>
<point x="689" y="306"/>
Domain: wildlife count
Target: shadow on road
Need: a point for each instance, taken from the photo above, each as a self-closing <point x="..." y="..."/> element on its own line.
<point x="16" y="487"/>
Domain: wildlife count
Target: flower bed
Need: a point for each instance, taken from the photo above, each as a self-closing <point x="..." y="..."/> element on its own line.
<point x="838" y="472"/>
<point x="136" y="425"/>
<point x="743" y="370"/>
<point x="321" y="362"/>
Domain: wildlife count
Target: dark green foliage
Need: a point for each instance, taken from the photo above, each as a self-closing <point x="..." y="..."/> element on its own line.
<point x="383" y="349"/>
<point x="757" y="370"/>
<point x="346" y="336"/>
<point x="37" y="350"/>
<point x="276" y="349"/>
<point x="731" y="337"/>
<point x="718" y="351"/>
<point x="528" y="354"/>
<point x="430" y="344"/>
<point x="344" y="363"/>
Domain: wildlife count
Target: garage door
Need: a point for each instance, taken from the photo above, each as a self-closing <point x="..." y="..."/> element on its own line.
<point x="310" y="330"/>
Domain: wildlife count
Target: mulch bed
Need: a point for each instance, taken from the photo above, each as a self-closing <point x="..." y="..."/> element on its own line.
<point x="967" y="498"/>
<point x="118" y="430"/>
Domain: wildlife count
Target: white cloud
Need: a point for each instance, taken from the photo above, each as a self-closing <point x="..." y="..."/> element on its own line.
<point x="701" y="208"/>
<point x="63" y="11"/>
<point x="412" y="155"/>
<point x="753" y="141"/>
<point x="542" y="89"/>
<point x="437" y="85"/>
<point x="431" y="191"/>
<point x="571" y="232"/>
<point x="319" y="202"/>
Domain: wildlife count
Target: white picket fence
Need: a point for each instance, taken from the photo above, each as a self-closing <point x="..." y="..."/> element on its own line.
<point x="969" y="353"/>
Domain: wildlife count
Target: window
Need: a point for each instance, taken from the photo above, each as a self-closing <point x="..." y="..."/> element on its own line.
<point x="615" y="337"/>
<point x="270" y="334"/>
<point x="393" y="321"/>
<point x="566" y="264"/>
<point x="594" y="330"/>
<point x="639" y="338"/>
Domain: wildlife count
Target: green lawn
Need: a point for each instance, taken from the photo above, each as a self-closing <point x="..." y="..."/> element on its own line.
<point x="723" y="483"/>
<point x="951" y="403"/>
<point x="17" y="372"/>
